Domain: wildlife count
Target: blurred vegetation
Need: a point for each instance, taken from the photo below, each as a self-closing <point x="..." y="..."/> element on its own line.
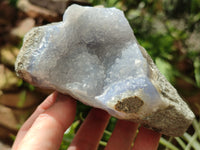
<point x="163" y="28"/>
<point x="13" y="2"/>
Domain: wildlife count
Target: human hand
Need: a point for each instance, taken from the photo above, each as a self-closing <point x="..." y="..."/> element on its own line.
<point x="45" y="128"/>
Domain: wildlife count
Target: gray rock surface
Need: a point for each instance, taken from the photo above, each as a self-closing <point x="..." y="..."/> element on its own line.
<point x="93" y="56"/>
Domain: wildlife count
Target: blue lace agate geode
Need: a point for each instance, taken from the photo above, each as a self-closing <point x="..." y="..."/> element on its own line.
<point x="93" y="56"/>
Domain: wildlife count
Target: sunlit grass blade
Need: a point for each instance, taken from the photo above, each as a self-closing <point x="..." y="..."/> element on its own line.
<point x="180" y="142"/>
<point x="190" y="144"/>
<point x="107" y="132"/>
<point x="196" y="126"/>
<point x="192" y="140"/>
<point x="167" y="144"/>
<point x="102" y="143"/>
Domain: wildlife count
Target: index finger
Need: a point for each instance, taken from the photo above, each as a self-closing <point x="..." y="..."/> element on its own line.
<point x="48" y="128"/>
<point x="146" y="139"/>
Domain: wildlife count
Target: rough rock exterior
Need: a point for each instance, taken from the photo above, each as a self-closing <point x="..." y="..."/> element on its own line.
<point x="93" y="56"/>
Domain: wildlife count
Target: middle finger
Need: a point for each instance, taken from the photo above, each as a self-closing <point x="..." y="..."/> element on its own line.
<point x="122" y="136"/>
<point x="91" y="131"/>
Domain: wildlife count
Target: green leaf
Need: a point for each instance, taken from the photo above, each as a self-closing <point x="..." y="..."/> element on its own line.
<point x="69" y="135"/>
<point x="165" y="68"/>
<point x="20" y="83"/>
<point x="22" y="99"/>
<point x="31" y="87"/>
<point x="111" y="3"/>
<point x="13" y="2"/>
<point x="197" y="70"/>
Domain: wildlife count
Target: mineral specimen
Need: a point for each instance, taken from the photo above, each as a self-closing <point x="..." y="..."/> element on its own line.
<point x="93" y="56"/>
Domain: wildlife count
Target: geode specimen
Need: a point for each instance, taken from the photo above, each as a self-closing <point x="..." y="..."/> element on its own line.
<point x="93" y="56"/>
